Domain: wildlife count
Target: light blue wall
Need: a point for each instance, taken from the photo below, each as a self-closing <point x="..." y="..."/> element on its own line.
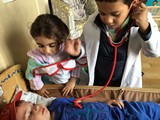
<point x="149" y="2"/>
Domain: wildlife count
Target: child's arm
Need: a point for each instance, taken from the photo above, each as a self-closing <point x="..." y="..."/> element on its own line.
<point x="110" y="102"/>
<point x="41" y="91"/>
<point x="36" y="84"/>
<point x="69" y="86"/>
<point x="140" y="15"/>
<point x="148" y="30"/>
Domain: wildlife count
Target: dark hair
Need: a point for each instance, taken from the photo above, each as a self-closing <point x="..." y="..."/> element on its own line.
<point x="127" y="2"/>
<point x="19" y="103"/>
<point x="50" y="26"/>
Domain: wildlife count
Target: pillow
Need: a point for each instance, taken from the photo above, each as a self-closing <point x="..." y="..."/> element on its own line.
<point x="33" y="97"/>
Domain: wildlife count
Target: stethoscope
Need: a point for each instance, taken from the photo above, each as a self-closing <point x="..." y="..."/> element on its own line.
<point x="115" y="46"/>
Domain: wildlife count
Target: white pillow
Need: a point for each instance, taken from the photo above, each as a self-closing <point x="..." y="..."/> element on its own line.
<point x="33" y="97"/>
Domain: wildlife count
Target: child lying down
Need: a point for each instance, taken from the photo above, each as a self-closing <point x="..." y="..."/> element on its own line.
<point x="93" y="109"/>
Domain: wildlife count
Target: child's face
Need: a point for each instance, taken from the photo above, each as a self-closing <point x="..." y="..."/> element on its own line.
<point x="47" y="46"/>
<point x="113" y="14"/>
<point x="29" y="111"/>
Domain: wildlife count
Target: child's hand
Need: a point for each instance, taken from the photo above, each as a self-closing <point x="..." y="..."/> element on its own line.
<point x="73" y="47"/>
<point x="43" y="92"/>
<point x="140" y="14"/>
<point x="117" y="102"/>
<point x="110" y="102"/>
<point x="69" y="86"/>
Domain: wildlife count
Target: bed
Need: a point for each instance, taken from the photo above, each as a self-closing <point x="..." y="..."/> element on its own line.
<point x="14" y="76"/>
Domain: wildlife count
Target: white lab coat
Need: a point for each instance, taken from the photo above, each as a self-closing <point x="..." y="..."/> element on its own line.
<point x="132" y="76"/>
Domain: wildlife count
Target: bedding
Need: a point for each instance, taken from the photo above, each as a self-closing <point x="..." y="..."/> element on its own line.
<point x="14" y="76"/>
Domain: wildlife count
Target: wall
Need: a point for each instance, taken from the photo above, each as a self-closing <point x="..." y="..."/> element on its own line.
<point x="15" y="20"/>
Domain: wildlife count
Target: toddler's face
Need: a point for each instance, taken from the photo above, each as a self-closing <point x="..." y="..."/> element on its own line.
<point x="29" y="111"/>
<point x="47" y="46"/>
<point x="113" y="14"/>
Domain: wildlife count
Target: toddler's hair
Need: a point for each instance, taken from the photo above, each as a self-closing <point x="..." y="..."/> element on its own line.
<point x="50" y="26"/>
<point x="127" y="2"/>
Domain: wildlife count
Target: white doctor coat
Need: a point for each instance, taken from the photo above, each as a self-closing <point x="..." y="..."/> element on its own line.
<point x="132" y="75"/>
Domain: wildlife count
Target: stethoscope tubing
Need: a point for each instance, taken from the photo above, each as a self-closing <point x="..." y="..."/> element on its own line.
<point x="115" y="46"/>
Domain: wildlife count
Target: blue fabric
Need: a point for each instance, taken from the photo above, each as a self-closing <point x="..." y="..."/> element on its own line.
<point x="147" y="35"/>
<point x="64" y="109"/>
<point x="141" y="111"/>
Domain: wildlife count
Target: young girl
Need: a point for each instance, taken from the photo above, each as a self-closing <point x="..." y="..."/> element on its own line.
<point x="112" y="40"/>
<point x="49" y="58"/>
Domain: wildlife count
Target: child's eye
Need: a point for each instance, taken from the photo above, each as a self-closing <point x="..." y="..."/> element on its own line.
<point x="52" y="45"/>
<point x="41" y="46"/>
<point x="115" y="14"/>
